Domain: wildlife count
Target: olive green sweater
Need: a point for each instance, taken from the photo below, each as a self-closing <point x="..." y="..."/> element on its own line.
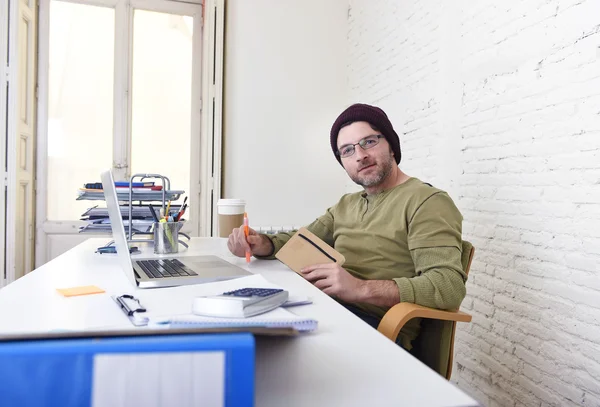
<point x="410" y="234"/>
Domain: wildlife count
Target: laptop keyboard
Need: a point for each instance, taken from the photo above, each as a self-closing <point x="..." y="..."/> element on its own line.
<point x="165" y="268"/>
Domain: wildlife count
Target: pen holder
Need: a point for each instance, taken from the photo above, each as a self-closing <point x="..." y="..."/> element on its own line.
<point x="166" y="236"/>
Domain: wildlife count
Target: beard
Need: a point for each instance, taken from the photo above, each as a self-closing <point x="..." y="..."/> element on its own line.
<point x="377" y="177"/>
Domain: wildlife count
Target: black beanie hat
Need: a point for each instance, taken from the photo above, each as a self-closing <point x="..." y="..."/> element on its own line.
<point x="366" y="113"/>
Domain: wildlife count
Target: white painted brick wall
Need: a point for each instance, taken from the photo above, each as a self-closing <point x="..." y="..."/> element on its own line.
<point x="498" y="102"/>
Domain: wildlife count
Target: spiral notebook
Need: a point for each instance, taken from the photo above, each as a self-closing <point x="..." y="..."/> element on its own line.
<point x="278" y="318"/>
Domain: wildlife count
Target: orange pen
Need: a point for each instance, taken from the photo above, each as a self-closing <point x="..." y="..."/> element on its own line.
<point x="246" y="233"/>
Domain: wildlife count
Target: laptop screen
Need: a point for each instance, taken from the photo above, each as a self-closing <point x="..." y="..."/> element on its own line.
<point x="116" y="224"/>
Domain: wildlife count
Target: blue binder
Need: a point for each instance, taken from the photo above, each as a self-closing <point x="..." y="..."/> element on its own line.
<point x="59" y="372"/>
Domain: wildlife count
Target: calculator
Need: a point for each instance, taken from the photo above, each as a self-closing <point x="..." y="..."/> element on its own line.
<point x="241" y="303"/>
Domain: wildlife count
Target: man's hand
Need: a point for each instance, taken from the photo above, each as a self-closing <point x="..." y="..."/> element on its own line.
<point x="334" y="280"/>
<point x="257" y="244"/>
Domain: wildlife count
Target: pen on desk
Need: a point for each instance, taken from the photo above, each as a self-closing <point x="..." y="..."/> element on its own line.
<point x="246" y="233"/>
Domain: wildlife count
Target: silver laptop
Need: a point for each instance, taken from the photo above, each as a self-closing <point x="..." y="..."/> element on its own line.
<point x="162" y="271"/>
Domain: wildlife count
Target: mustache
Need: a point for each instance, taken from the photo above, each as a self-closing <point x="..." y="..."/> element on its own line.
<point x="365" y="165"/>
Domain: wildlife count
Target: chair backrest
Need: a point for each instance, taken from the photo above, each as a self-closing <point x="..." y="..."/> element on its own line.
<point x="435" y="344"/>
<point x="468" y="251"/>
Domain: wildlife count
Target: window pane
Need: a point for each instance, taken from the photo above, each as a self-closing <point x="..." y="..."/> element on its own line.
<point x="161" y="96"/>
<point x="80" y="119"/>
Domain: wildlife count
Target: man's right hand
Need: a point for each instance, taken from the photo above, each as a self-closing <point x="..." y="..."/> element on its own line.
<point x="257" y="244"/>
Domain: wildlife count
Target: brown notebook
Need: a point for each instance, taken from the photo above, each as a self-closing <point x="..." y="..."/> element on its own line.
<point x="306" y="249"/>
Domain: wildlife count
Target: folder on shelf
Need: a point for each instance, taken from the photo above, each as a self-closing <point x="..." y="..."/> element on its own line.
<point x="133" y="184"/>
<point x="98" y="185"/>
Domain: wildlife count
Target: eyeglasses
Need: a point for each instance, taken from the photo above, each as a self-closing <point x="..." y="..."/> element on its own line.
<point x="368" y="142"/>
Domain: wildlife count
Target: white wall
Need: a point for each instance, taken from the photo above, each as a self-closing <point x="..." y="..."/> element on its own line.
<point x="499" y="103"/>
<point x="285" y="83"/>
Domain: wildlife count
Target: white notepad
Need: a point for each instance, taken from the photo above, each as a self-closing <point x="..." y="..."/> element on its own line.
<point x="278" y="318"/>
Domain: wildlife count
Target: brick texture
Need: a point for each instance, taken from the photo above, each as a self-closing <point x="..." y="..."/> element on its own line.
<point x="499" y="104"/>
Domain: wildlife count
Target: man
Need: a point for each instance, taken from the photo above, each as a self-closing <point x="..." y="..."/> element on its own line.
<point x="401" y="237"/>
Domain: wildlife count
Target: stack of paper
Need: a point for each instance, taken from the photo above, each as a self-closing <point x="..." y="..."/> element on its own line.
<point x="278" y="318"/>
<point x="98" y="221"/>
<point x="101" y="226"/>
<point x="123" y="195"/>
<point x="138" y="212"/>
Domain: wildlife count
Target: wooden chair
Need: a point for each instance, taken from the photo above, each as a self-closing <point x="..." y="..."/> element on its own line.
<point x="435" y="344"/>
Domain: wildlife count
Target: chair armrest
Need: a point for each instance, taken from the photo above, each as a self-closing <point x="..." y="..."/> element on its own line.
<point x="395" y="318"/>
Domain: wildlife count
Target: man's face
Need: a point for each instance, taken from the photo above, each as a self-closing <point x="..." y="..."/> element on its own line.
<point x="370" y="167"/>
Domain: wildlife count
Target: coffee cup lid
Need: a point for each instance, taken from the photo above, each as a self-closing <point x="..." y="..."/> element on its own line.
<point x="231" y="202"/>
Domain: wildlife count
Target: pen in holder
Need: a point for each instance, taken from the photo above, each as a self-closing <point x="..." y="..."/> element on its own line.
<point x="166" y="236"/>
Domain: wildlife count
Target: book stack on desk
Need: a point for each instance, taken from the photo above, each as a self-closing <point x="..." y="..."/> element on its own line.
<point x="97" y="220"/>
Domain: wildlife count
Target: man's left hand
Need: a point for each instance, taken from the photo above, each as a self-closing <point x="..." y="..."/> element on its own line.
<point x="334" y="280"/>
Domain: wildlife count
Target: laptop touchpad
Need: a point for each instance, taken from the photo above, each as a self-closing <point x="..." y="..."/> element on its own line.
<point x="212" y="263"/>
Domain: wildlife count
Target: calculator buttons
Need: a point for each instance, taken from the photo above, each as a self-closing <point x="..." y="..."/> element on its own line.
<point x="254" y="292"/>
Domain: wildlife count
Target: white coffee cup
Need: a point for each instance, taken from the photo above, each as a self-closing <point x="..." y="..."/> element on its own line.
<point x="231" y="215"/>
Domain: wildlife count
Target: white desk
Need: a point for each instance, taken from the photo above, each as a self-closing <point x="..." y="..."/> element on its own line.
<point x="345" y="363"/>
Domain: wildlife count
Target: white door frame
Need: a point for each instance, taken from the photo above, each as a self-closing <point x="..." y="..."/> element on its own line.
<point x="202" y="184"/>
<point x="3" y="121"/>
<point x="12" y="111"/>
<point x="212" y="114"/>
<point x="11" y="137"/>
<point x="21" y="142"/>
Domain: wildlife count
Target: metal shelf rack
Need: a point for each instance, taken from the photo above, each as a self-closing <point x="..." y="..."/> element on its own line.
<point x="166" y="186"/>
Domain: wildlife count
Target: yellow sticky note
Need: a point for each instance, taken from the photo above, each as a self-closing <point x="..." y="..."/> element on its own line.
<point x="84" y="290"/>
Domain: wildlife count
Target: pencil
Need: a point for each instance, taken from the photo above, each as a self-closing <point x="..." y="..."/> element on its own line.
<point x="246" y="233"/>
<point x="167" y="211"/>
